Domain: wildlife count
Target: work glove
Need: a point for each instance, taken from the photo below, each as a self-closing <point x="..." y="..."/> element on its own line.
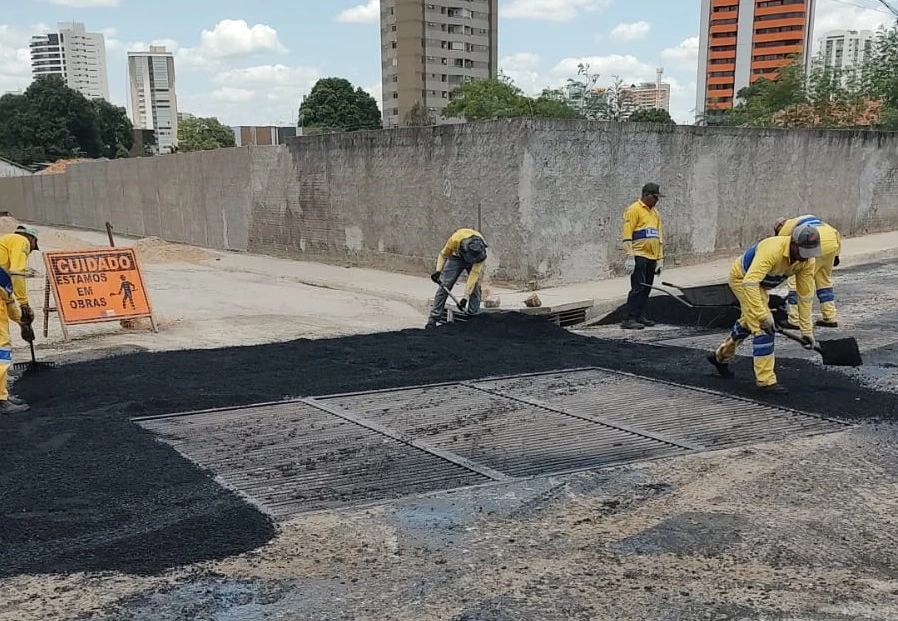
<point x="435" y="277"/>
<point x="463" y="304"/>
<point x="808" y="341"/>
<point x="27" y="333"/>
<point x="630" y="265"/>
<point x="836" y="261"/>
<point x="27" y="314"/>
<point x="768" y="325"/>
<point x="659" y="266"/>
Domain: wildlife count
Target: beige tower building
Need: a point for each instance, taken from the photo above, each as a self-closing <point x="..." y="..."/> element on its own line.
<point x="429" y="47"/>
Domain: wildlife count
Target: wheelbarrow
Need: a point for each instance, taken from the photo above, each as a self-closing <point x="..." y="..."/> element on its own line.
<point x="705" y="296"/>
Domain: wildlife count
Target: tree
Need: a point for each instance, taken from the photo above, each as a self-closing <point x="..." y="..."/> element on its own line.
<point x="204" y="134"/>
<point x="499" y="98"/>
<point x="654" y="115"/>
<point x="116" y="130"/>
<point x="48" y="122"/>
<point x="880" y="72"/>
<point x="419" y="116"/>
<point x="333" y="105"/>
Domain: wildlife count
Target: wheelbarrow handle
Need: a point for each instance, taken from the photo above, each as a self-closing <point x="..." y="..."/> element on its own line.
<point x="665" y="291"/>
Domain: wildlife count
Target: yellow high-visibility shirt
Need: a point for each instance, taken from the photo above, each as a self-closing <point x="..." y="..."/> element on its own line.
<point x="14" y="251"/>
<point x="767" y="264"/>
<point x="830" y="238"/>
<point x="642" y="232"/>
<point x="451" y="249"/>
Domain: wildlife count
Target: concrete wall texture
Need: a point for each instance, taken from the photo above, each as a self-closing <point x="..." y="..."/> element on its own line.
<point x="548" y="195"/>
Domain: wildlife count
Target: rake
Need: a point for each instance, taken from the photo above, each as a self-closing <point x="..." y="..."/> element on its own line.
<point x="34" y="365"/>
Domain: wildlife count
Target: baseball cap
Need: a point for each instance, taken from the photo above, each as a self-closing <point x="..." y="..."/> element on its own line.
<point x="28" y="230"/>
<point x="652" y="188"/>
<point x="807" y="238"/>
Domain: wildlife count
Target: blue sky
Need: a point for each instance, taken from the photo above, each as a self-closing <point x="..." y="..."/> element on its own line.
<point x="251" y="62"/>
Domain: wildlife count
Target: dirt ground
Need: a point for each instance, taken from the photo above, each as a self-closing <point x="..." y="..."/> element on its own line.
<point x="101" y="522"/>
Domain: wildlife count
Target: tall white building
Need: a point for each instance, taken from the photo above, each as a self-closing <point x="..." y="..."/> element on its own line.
<point x="648" y="95"/>
<point x="77" y="56"/>
<point x="843" y="50"/>
<point x="154" y="102"/>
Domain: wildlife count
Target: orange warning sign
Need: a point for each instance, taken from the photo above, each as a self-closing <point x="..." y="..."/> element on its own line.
<point x="100" y="284"/>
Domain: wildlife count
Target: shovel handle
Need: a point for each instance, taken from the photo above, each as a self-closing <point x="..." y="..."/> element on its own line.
<point x="454" y="299"/>
<point x="797" y="338"/>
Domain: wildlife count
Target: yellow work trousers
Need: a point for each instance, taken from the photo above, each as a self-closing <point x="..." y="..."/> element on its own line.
<point x="5" y="350"/>
<point x="762" y="342"/>
<point x="826" y="295"/>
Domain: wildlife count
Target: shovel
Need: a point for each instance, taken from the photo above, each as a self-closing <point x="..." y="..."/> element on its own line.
<point x="454" y="299"/>
<point x="835" y="352"/>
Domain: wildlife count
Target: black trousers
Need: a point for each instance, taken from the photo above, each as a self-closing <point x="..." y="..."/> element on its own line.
<point x="644" y="274"/>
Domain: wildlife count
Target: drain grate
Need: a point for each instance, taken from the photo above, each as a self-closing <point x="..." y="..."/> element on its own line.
<point x="293" y="457"/>
<point x="324" y="452"/>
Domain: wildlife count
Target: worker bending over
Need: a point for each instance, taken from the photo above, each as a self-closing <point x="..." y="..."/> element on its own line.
<point x="831" y="246"/>
<point x="465" y="251"/>
<point x="643" y="239"/>
<point x="14" y="251"/>
<point x="765" y="266"/>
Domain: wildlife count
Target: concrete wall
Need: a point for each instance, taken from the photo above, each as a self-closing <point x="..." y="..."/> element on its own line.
<point x="548" y="195"/>
<point x="9" y="169"/>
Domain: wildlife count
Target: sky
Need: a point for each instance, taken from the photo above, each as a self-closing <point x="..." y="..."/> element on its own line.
<point x="251" y="62"/>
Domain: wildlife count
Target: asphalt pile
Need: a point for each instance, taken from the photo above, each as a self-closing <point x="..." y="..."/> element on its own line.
<point x="85" y="489"/>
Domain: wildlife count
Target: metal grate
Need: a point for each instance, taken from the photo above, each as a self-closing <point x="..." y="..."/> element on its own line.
<point x="510" y="436"/>
<point x="324" y="452"/>
<point x="292" y="457"/>
<point x="699" y="419"/>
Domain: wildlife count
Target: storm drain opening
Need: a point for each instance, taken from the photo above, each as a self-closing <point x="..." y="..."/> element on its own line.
<point x="337" y="450"/>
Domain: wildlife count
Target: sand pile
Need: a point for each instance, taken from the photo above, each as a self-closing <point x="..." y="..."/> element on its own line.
<point x="157" y="250"/>
<point x="8" y="224"/>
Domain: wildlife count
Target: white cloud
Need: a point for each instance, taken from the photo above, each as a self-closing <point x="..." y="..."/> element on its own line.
<point x="551" y="10"/>
<point x="230" y="39"/>
<point x="523" y="69"/>
<point x="86" y="4"/>
<point x="630" y="32"/>
<point x="15" y="57"/>
<point x="362" y="13"/>
<point x="376" y="91"/>
<point x="628" y="67"/>
<point x="683" y="56"/>
<point x="113" y="44"/>
<point x="268" y="76"/>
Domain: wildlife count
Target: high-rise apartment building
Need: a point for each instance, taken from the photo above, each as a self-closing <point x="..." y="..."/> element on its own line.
<point x="741" y="41"/>
<point x="648" y="95"/>
<point x="429" y="47"/>
<point x="154" y="102"/>
<point x="77" y="56"/>
<point x="841" y="51"/>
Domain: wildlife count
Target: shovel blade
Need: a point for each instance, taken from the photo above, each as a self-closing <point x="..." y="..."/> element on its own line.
<point x="841" y="353"/>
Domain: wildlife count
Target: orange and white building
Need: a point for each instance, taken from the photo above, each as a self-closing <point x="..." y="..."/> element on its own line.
<point x="741" y="41"/>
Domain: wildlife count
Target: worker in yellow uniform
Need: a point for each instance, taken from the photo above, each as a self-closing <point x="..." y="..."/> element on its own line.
<point x="831" y="245"/>
<point x="14" y="251"/>
<point x="643" y="238"/>
<point x="765" y="266"/>
<point x="465" y="251"/>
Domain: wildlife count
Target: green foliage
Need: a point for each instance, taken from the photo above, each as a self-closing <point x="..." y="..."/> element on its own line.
<point x="49" y="122"/>
<point x="204" y="134"/>
<point x="116" y="130"/>
<point x="333" y="105"/>
<point x="655" y="115"/>
<point x="479" y="100"/>
<point x="867" y="97"/>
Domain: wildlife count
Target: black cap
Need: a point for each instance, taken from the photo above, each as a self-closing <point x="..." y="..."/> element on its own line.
<point x="652" y="188"/>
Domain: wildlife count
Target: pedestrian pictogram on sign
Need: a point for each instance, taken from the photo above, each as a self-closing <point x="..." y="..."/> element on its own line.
<point x="96" y="285"/>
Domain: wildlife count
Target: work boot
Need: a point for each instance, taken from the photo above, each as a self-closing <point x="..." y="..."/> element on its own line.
<point x="774" y="389"/>
<point x="431" y="324"/>
<point x="8" y="407"/>
<point x="15" y="400"/>
<point x="823" y="323"/>
<point x="648" y="323"/>
<point x="787" y="325"/>
<point x="723" y="368"/>
<point x="631" y="324"/>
